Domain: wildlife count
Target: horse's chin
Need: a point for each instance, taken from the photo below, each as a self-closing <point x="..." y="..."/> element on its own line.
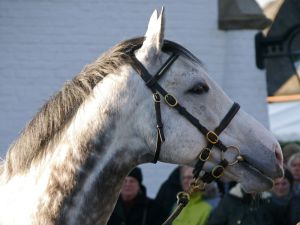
<point x="254" y="180"/>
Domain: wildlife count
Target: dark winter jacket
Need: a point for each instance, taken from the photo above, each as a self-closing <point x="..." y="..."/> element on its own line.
<point x="294" y="209"/>
<point x="166" y="195"/>
<point x="144" y="211"/>
<point x="237" y="207"/>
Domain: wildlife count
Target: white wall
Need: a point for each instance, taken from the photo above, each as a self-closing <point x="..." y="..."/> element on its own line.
<point x="285" y="120"/>
<point x="242" y="80"/>
<point x="44" y="43"/>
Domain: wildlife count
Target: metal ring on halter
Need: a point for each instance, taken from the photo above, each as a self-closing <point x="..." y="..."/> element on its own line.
<point x="156" y="97"/>
<point x="170" y="103"/>
<point x="182" y="195"/>
<point x="238" y="156"/>
<point x="198" y="184"/>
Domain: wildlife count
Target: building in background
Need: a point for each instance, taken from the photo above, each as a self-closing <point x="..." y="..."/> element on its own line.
<point x="45" y="43"/>
<point x="278" y="52"/>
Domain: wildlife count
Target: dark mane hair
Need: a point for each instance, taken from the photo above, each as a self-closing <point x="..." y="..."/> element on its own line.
<point x="57" y="112"/>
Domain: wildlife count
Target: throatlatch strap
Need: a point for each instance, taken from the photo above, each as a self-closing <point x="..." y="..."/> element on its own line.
<point x="151" y="82"/>
<point x="160" y="137"/>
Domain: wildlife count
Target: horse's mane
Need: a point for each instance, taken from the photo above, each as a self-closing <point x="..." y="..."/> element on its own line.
<point x="56" y="113"/>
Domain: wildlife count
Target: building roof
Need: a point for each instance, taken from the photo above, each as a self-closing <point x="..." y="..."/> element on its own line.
<point x="282" y="78"/>
<point x="246" y="14"/>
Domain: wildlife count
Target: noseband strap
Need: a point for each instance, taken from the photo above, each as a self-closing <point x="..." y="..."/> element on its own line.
<point x="213" y="140"/>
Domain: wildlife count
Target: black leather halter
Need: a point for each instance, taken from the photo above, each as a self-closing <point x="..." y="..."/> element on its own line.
<point x="212" y="137"/>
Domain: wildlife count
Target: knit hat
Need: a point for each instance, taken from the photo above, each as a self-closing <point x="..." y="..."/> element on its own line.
<point x="137" y="174"/>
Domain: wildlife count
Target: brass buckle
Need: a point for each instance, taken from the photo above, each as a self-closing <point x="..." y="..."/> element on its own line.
<point x="237" y="158"/>
<point x="168" y="101"/>
<point x="204" y="154"/>
<point x="214" y="139"/>
<point x="197" y="184"/>
<point x="216" y="170"/>
<point x="156" y="97"/>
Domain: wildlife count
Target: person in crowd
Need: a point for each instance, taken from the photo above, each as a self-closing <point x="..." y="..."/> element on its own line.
<point x="239" y="207"/>
<point x="283" y="187"/>
<point x="294" y="210"/>
<point x="167" y="192"/>
<point x="212" y="194"/>
<point x="133" y="206"/>
<point x="282" y="195"/>
<point x="289" y="150"/>
<point x="197" y="211"/>
<point x="294" y="167"/>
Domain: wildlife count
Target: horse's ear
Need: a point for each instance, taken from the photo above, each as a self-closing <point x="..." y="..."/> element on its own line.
<point x="154" y="36"/>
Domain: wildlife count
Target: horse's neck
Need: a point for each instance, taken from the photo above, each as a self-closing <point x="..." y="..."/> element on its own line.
<point x="80" y="181"/>
<point x="97" y="187"/>
<point x="96" y="163"/>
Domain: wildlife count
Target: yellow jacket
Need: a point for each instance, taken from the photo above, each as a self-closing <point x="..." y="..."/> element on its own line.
<point x="196" y="212"/>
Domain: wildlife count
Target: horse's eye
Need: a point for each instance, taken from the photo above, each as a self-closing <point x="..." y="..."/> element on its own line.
<point x="199" y="88"/>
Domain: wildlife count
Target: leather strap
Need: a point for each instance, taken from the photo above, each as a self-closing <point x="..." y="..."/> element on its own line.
<point x="151" y="82"/>
<point x="223" y="124"/>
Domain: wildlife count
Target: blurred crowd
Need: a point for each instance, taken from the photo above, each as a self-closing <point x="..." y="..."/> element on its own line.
<point x="219" y="204"/>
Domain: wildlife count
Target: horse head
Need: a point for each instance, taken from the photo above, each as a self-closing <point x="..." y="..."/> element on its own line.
<point x="191" y="86"/>
<point x="146" y="99"/>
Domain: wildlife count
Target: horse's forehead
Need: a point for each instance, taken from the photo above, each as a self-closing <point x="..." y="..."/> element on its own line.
<point x="187" y="71"/>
